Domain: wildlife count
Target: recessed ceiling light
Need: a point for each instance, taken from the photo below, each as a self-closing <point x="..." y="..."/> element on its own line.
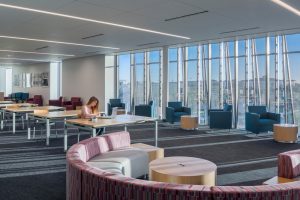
<point x="27" y="59"/>
<point x="33" y="52"/>
<point x="287" y="6"/>
<point x="55" y="42"/>
<point x="91" y="20"/>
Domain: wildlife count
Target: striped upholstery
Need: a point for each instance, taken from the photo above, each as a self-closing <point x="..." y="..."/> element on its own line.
<point x="286" y="191"/>
<point x="289" y="164"/>
<point x="118" y="140"/>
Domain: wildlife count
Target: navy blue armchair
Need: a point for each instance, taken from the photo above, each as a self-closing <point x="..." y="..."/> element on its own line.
<point x="175" y="110"/>
<point x="220" y="118"/>
<point x="144" y="109"/>
<point x="259" y="120"/>
<point x="113" y="103"/>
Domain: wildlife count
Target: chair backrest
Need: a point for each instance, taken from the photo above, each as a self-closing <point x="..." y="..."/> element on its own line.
<point x="227" y="107"/>
<point x="257" y="109"/>
<point x="25" y="96"/>
<point x="150" y="103"/>
<point x="44" y="111"/>
<point x="75" y="99"/>
<point x="115" y="102"/>
<point x="175" y="104"/>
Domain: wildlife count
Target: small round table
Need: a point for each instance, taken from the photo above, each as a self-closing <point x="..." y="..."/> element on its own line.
<point x="189" y="122"/>
<point x="183" y="170"/>
<point x="287" y="133"/>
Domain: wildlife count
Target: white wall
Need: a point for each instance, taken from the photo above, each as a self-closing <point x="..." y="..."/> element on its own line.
<point x="36" y="68"/>
<point x="84" y="77"/>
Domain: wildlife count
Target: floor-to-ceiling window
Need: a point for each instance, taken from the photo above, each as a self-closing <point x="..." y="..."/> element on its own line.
<point x="173" y="74"/>
<point x="110" y="76"/>
<point x="154" y="90"/>
<point x="139" y="73"/>
<point x="192" y="78"/>
<point x="124" y="79"/>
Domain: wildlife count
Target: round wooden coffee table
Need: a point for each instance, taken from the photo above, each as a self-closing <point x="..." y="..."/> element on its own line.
<point x="287" y="133"/>
<point x="183" y="170"/>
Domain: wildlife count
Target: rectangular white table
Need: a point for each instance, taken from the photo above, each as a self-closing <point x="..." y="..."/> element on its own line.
<point x="118" y="120"/>
<point x="2" y="106"/>
<point x="6" y="102"/>
<point x="26" y="111"/>
<point x="53" y="116"/>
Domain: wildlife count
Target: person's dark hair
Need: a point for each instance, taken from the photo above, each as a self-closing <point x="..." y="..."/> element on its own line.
<point x="94" y="108"/>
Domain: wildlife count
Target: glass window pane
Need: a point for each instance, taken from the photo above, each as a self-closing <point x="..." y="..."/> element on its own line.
<point x="124" y="79"/>
<point x="192" y="84"/>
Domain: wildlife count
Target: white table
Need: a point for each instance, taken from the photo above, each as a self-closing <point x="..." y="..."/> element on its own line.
<point x="53" y="116"/>
<point x="26" y="111"/>
<point x="118" y="120"/>
<point x="4" y="105"/>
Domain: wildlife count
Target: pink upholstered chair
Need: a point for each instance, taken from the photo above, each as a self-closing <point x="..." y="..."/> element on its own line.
<point x="71" y="105"/>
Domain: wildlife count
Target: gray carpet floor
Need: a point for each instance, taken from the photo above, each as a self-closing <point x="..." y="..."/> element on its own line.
<point x="30" y="170"/>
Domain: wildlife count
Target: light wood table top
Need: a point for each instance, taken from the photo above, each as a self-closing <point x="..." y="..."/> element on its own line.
<point x="17" y="105"/>
<point x="31" y="109"/>
<point x="185" y="170"/>
<point x="6" y="102"/>
<point x="278" y="180"/>
<point x="104" y="122"/>
<point x="58" y="114"/>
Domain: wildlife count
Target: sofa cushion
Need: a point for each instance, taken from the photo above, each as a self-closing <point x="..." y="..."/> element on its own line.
<point x="134" y="162"/>
<point x="94" y="146"/>
<point x="289" y="164"/>
<point x="227" y="107"/>
<point x="178" y="114"/>
<point x="117" y="140"/>
<point x="113" y="167"/>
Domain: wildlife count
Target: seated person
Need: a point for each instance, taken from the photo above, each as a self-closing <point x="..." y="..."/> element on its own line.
<point x="91" y="110"/>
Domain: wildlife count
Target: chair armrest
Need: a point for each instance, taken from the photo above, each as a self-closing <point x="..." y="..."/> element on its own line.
<point x="169" y="114"/>
<point x="66" y="103"/>
<point x="220" y="119"/>
<point x="274" y="116"/>
<point x="123" y="105"/>
<point x="187" y="110"/>
<point x="252" y="122"/>
<point x="76" y="103"/>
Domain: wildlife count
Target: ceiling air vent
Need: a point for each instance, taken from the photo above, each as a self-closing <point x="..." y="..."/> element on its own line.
<point x="240" y="30"/>
<point x="40" y="48"/>
<point x="146" y="44"/>
<point x="92" y="36"/>
<point x="188" y="15"/>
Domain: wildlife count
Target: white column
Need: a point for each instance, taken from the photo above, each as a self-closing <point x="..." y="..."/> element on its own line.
<point x="164" y="80"/>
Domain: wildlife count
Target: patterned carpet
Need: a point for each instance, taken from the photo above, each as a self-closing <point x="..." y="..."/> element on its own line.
<point x="31" y="170"/>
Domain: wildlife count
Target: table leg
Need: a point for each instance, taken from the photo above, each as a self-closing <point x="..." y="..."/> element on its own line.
<point x="94" y="132"/>
<point x="14" y="123"/>
<point x="65" y="137"/>
<point x="28" y="127"/>
<point x="1" y="118"/>
<point x="125" y="128"/>
<point x="48" y="131"/>
<point x="156" y="132"/>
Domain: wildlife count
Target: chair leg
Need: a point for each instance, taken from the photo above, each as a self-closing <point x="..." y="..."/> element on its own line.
<point x="55" y="129"/>
<point x="33" y="132"/>
<point x="78" y="137"/>
<point x="23" y="125"/>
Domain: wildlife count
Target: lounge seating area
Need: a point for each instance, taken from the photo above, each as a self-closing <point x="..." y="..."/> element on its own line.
<point x="87" y="164"/>
<point x="149" y="100"/>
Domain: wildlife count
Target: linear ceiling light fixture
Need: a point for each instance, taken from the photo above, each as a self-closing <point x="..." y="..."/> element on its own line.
<point x="287" y="6"/>
<point x="91" y="20"/>
<point x="56" y="42"/>
<point x="33" y="52"/>
<point x="27" y="59"/>
<point x="10" y="63"/>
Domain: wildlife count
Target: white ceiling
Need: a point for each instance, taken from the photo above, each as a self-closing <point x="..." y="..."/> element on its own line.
<point x="222" y="16"/>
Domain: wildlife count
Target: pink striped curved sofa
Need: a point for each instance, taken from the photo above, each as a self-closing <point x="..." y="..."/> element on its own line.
<point x="89" y="183"/>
